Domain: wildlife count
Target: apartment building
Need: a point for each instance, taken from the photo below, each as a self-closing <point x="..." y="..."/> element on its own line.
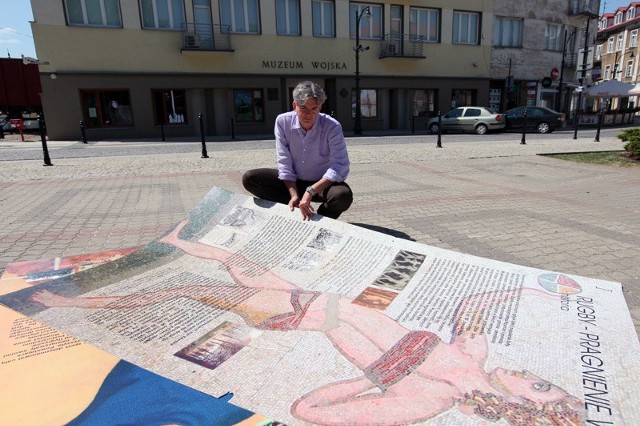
<point x="132" y="69"/>
<point x="616" y="54"/>
<point x="537" y="51"/>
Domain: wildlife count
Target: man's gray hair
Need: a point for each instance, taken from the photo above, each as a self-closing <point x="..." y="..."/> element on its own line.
<point x="306" y="90"/>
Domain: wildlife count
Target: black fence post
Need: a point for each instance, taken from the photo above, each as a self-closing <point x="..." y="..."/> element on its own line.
<point x="233" y="130"/>
<point x="45" y="150"/>
<point x="439" y="140"/>
<point x="204" y="146"/>
<point x="83" y="132"/>
<point x="523" y="140"/>
<point x="413" y="125"/>
<point x="162" y="130"/>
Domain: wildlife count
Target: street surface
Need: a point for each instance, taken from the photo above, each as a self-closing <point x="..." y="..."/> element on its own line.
<point x="485" y="195"/>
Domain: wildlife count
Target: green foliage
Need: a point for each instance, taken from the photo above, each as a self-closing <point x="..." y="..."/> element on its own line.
<point x="632" y="139"/>
<point x="633" y="147"/>
<point x="628" y="134"/>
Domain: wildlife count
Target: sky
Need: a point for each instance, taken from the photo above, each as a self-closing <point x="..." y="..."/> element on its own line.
<point x="16" y="39"/>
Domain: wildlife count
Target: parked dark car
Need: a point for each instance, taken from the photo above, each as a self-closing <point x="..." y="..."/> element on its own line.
<point x="539" y="119"/>
<point x="468" y="119"/>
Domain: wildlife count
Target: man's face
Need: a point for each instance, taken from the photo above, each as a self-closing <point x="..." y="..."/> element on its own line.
<point x="307" y="113"/>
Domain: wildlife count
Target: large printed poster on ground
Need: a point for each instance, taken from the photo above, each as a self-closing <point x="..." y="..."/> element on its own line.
<point x="325" y="323"/>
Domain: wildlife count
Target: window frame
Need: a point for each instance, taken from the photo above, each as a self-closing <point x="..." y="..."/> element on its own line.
<point x="458" y="36"/>
<point x="287" y="31"/>
<point x="101" y="107"/>
<point x="629" y="68"/>
<point x="179" y="113"/>
<point x="631" y="13"/>
<point x="415" y="26"/>
<point x="173" y="25"/>
<point x="375" y="21"/>
<point x="498" y="31"/>
<point x="617" y="19"/>
<point x="247" y="24"/>
<point x="553" y="42"/>
<point x="619" y="42"/>
<point x="322" y="20"/>
<point x="85" y="14"/>
<point x="633" y="38"/>
<point x="256" y="102"/>
<point x="365" y="115"/>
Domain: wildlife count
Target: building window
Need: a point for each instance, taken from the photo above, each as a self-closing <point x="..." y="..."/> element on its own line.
<point x="552" y="37"/>
<point x="424" y="103"/>
<point x="619" y="41"/>
<point x="162" y="14"/>
<point x="607" y="72"/>
<point x="603" y="24"/>
<point x="617" y="19"/>
<point x="287" y="17"/>
<point x="242" y="16"/>
<point x="371" y="26"/>
<point x="99" y="13"/>
<point x="599" y="52"/>
<point x="466" y="27"/>
<point x="368" y="103"/>
<point x="633" y="38"/>
<point x="248" y="104"/>
<point x="507" y="32"/>
<point x="629" y="70"/>
<point x="631" y="13"/>
<point x="106" y="108"/>
<point x="169" y="106"/>
<point x="610" y="45"/>
<point x="323" y="18"/>
<point x="462" y="97"/>
<point x="424" y="24"/>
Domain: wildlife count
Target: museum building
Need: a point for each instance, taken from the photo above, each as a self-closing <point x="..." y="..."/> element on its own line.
<point x="138" y="69"/>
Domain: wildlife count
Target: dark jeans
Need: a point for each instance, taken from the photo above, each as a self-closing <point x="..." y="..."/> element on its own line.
<point x="264" y="183"/>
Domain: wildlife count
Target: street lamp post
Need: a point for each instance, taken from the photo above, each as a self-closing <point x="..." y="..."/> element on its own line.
<point x="357" y="126"/>
<point x="582" y="76"/>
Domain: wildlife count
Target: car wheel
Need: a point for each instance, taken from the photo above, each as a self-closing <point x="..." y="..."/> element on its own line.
<point x="543" y="127"/>
<point x="433" y="128"/>
<point x="481" y="129"/>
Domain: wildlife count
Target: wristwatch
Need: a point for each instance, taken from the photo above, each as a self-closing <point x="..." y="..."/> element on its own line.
<point x="311" y="191"/>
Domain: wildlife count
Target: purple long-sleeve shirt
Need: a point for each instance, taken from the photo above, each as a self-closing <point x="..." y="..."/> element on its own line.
<point x="310" y="155"/>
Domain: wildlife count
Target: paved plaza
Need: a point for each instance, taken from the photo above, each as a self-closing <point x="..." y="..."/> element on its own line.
<point x="490" y="198"/>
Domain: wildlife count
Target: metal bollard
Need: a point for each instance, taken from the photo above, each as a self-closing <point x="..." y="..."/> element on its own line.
<point x="162" y="130"/>
<point x="523" y="141"/>
<point x="204" y="146"/>
<point x="597" y="139"/>
<point x="233" y="130"/>
<point x="83" y="132"/>
<point x="45" y="150"/>
<point x="439" y="141"/>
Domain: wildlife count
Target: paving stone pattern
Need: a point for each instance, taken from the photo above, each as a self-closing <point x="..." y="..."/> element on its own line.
<point x="492" y="200"/>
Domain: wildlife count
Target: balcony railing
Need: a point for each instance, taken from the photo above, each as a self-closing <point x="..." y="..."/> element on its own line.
<point x="401" y="46"/>
<point x="206" y="37"/>
<point x="585" y="7"/>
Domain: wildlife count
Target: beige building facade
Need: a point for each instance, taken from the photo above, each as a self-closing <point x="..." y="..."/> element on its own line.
<point x="139" y="69"/>
<point x="136" y="68"/>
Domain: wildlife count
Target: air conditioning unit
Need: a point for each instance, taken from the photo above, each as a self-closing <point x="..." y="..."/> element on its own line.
<point x="191" y="41"/>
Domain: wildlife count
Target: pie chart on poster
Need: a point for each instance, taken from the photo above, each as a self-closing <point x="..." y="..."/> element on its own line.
<point x="558" y="283"/>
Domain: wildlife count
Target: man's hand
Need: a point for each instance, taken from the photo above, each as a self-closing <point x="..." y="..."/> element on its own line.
<point x="305" y="206"/>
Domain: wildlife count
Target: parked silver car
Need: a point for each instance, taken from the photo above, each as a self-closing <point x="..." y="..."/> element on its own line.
<point x="468" y="119"/>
